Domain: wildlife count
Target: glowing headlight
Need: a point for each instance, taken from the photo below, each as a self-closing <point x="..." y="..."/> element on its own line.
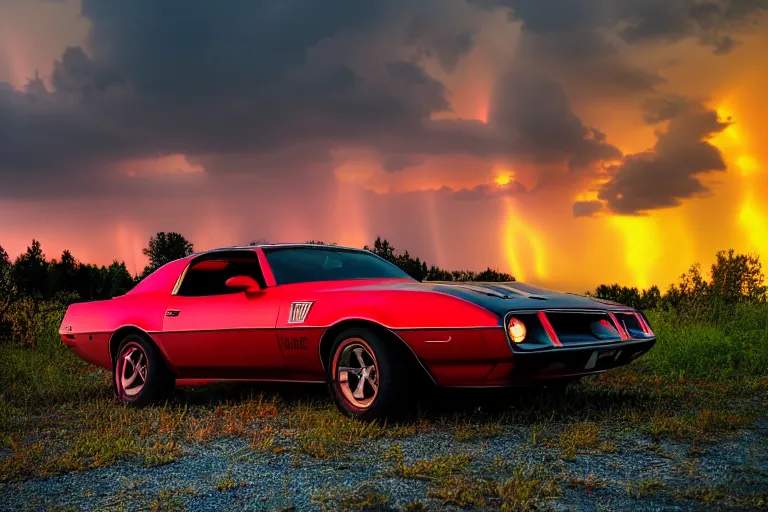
<point x="516" y="330"/>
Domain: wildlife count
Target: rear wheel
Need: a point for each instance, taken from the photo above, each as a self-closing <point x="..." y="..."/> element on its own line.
<point x="139" y="374"/>
<point x="370" y="377"/>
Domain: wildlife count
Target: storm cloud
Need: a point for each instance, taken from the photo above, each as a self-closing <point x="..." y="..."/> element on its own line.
<point x="274" y="87"/>
<point x="668" y="173"/>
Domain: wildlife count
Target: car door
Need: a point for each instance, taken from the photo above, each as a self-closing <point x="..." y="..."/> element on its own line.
<point x="211" y="331"/>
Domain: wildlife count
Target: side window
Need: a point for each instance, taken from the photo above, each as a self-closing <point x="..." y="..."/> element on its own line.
<point x="209" y="276"/>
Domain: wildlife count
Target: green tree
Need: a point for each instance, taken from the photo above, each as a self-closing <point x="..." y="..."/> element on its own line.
<point x="6" y="293"/>
<point x="438" y="274"/>
<point x="493" y="275"/>
<point x="30" y="272"/>
<point x="6" y="279"/>
<point x="383" y="249"/>
<point x="464" y="275"/>
<point x="118" y="279"/>
<point x="622" y="294"/>
<point x="651" y="298"/>
<point x="414" y="267"/>
<point x="63" y="272"/>
<point x="691" y="297"/>
<point x="737" y="278"/>
<point x="164" y="248"/>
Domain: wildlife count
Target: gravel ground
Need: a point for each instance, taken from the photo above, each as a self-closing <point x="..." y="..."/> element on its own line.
<point x="288" y="480"/>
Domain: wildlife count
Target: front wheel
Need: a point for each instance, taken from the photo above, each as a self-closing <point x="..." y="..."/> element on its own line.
<point x="139" y="374"/>
<point x="369" y="377"/>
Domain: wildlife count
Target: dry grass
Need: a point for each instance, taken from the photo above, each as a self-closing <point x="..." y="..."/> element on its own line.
<point x="589" y="483"/>
<point x="644" y="487"/>
<point x="466" y="430"/>
<point x="361" y="497"/>
<point x="583" y="437"/>
<point x="427" y="469"/>
<point x="528" y="488"/>
<point x="702" y="426"/>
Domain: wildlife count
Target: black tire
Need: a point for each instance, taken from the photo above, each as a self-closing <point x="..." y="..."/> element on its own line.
<point x="394" y="370"/>
<point x="158" y="383"/>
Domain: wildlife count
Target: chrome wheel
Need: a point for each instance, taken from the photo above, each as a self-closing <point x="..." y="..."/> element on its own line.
<point x="131" y="374"/>
<point x="357" y="373"/>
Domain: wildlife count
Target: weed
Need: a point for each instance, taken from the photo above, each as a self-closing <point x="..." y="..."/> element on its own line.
<point x="581" y="437"/>
<point x="589" y="484"/>
<point x="323" y="433"/>
<point x="428" y="469"/>
<point x="527" y="488"/>
<point x="698" y="427"/>
<point x="361" y="497"/>
<point x="227" y="483"/>
<point x="170" y="501"/>
<point x="644" y="487"/>
<point x="161" y="453"/>
<point x="469" y="430"/>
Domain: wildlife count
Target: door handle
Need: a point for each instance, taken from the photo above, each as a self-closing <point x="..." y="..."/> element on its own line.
<point x="172" y="312"/>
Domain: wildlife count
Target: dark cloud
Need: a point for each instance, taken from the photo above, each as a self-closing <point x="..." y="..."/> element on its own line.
<point x="392" y="162"/>
<point x="663" y="108"/>
<point x="586" y="59"/>
<point x="711" y="22"/>
<point x="486" y="191"/>
<point x="537" y="114"/>
<point x="447" y="46"/>
<point x="587" y="208"/>
<point x="229" y="86"/>
<point x="274" y="87"/>
<point x="663" y="176"/>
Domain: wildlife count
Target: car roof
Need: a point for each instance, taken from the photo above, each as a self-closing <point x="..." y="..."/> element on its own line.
<point x="280" y="245"/>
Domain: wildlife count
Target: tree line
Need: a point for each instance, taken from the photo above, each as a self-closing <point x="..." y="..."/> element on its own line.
<point x="31" y="274"/>
<point x="31" y="284"/>
<point x="734" y="279"/>
<point x="33" y="287"/>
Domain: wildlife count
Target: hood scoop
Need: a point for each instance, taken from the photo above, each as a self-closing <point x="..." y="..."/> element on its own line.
<point x="492" y="289"/>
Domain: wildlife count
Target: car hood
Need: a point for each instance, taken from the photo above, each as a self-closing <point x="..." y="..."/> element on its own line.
<point x="501" y="297"/>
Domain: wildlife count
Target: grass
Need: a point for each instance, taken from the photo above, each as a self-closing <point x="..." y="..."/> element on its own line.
<point x="721" y="497"/>
<point x="589" y="483"/>
<point x="361" y="497"/>
<point x="700" y="384"/>
<point x="582" y="437"/>
<point x="701" y="426"/>
<point x="528" y="488"/>
<point x="466" y="430"/>
<point x="645" y="487"/>
<point x="427" y="469"/>
<point x="228" y="483"/>
<point x="736" y="348"/>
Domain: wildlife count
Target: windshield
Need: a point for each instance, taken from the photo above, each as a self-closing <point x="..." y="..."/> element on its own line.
<point x="307" y="264"/>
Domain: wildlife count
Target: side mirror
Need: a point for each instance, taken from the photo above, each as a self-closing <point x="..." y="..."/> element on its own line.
<point x="245" y="283"/>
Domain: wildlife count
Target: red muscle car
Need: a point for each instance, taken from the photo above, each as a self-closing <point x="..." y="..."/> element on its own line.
<point x="314" y="313"/>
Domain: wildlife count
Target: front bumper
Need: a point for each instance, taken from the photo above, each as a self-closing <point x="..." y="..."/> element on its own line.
<point x="560" y="362"/>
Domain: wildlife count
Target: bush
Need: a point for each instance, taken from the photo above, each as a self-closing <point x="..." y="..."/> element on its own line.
<point x="736" y="347"/>
<point x="30" y="319"/>
<point x="35" y="367"/>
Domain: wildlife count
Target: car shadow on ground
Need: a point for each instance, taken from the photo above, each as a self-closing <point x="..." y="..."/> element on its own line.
<point x="555" y="400"/>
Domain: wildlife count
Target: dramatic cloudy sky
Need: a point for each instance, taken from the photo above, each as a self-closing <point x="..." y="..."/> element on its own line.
<point x="570" y="142"/>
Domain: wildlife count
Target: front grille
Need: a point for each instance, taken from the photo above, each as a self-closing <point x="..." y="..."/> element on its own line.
<point x="563" y="328"/>
<point x="583" y="327"/>
<point x="631" y="323"/>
